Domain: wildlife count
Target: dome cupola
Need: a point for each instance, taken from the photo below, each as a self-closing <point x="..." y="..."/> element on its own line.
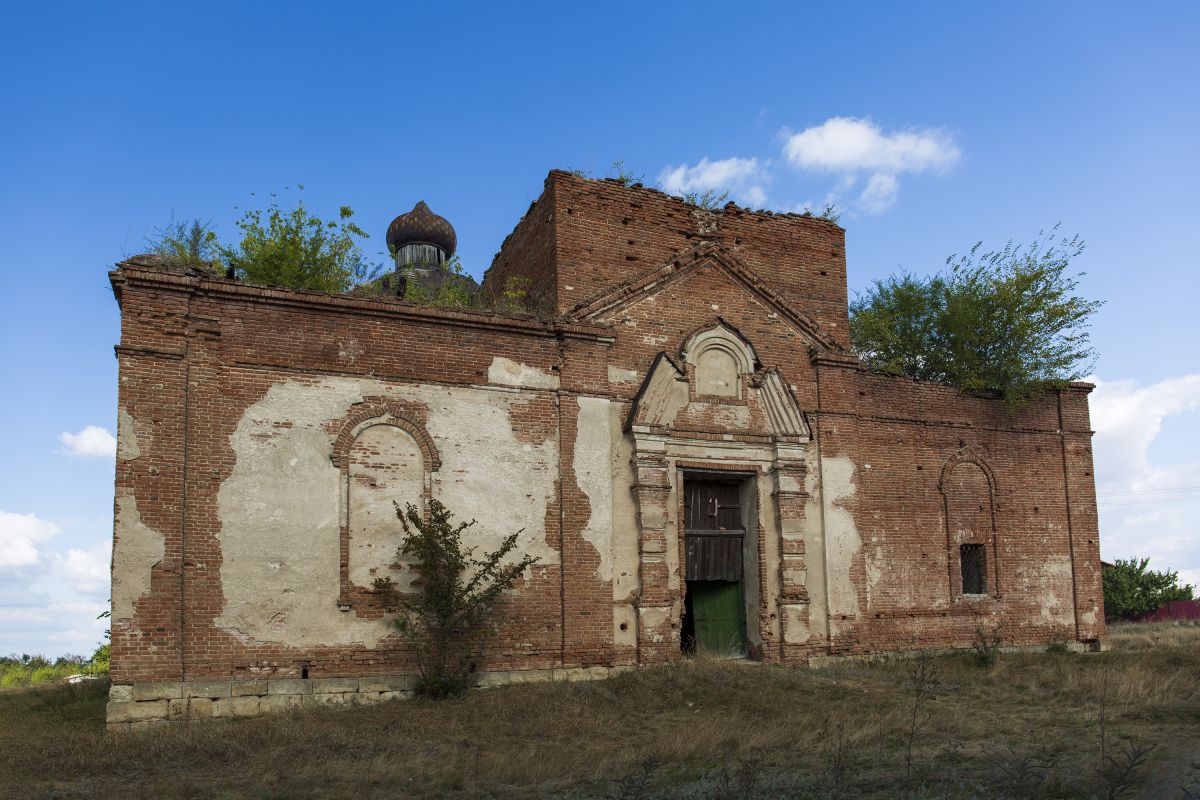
<point x="421" y="238"/>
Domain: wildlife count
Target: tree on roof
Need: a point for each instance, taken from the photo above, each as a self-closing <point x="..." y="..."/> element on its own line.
<point x="1006" y="320"/>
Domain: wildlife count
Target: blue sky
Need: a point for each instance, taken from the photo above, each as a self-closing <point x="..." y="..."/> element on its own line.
<point x="933" y="125"/>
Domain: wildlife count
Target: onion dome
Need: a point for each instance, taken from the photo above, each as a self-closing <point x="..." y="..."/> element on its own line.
<point x="421" y="237"/>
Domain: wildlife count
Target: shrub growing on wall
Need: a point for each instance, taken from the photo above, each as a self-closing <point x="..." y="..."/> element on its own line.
<point x="1007" y="320"/>
<point x="449" y="617"/>
<point x="297" y="249"/>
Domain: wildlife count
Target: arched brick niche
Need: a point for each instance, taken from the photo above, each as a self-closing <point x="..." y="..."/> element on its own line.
<point x="385" y="456"/>
<point x="968" y="489"/>
<point x="718" y="361"/>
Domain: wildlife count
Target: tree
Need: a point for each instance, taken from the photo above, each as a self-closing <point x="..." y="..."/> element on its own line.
<point x="1006" y="320"/>
<point x="297" y="249"/>
<point x="449" y="617"/>
<point x="1131" y="588"/>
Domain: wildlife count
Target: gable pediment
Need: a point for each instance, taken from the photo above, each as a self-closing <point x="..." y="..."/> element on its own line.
<point x="686" y="264"/>
<point x="668" y="398"/>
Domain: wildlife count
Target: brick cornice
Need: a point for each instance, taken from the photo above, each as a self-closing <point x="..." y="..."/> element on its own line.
<point x="128" y="275"/>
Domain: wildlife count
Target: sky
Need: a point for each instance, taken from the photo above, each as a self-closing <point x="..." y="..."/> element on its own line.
<point x="931" y="126"/>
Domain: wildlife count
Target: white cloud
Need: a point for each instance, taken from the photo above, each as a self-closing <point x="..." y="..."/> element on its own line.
<point x="1146" y="509"/>
<point x="846" y="144"/>
<point x="879" y="193"/>
<point x="20" y="535"/>
<point x="50" y="594"/>
<point x="744" y="178"/>
<point x="851" y="146"/>
<point x="92" y="441"/>
<point x="87" y="571"/>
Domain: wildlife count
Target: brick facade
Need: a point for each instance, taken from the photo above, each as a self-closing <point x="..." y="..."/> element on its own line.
<point x="248" y="499"/>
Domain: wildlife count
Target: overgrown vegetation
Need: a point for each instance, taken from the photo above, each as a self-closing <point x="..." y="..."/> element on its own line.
<point x="701" y="729"/>
<point x="187" y="243"/>
<point x="1132" y="588"/>
<point x="451" y="613"/>
<point x="709" y="199"/>
<point x="829" y="212"/>
<point x="34" y="670"/>
<point x="1007" y="321"/>
<point x="297" y="248"/>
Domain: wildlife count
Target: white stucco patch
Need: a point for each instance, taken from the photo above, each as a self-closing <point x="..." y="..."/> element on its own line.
<point x="593" y="474"/>
<point x="127" y="440"/>
<point x="842" y="542"/>
<point x="1049" y="583"/>
<point x="506" y="372"/>
<point x="654" y="621"/>
<point x="280" y="507"/>
<point x="795" y="625"/>
<point x="618" y="375"/>
<point x="137" y="548"/>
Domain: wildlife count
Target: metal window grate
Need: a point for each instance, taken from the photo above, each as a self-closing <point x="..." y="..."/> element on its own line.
<point x="973" y="558"/>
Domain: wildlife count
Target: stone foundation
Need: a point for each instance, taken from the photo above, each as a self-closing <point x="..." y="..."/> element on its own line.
<point x="142" y="705"/>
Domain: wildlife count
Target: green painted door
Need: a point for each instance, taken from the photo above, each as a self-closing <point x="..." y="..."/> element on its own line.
<point x="719" y="616"/>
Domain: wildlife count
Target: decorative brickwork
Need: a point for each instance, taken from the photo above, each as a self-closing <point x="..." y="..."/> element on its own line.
<point x="264" y="433"/>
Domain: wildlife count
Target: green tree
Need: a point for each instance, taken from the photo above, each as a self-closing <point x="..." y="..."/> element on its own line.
<point x="449" y="617"/>
<point x="297" y="249"/>
<point x="1131" y="588"/>
<point x="1006" y="320"/>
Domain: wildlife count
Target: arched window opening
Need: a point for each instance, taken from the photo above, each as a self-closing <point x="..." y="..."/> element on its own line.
<point x="384" y="465"/>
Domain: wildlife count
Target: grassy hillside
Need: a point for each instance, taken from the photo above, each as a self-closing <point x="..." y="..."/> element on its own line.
<point x="1025" y="726"/>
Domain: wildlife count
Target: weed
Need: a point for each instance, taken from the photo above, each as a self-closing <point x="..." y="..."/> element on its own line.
<point x="923" y="679"/>
<point x="986" y="649"/>
<point x="636" y="785"/>
<point x="1125" y="771"/>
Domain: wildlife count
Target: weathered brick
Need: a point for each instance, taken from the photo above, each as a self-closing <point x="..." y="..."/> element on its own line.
<point x="889" y="477"/>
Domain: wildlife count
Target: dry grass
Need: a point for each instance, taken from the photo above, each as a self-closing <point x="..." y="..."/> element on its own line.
<point x="717" y="729"/>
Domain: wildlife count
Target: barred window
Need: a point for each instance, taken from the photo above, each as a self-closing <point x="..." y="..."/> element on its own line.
<point x="973" y="558"/>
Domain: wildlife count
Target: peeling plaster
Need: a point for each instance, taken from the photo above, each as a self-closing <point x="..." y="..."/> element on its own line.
<point x="127" y="439"/>
<point x="796" y="623"/>
<point x="655" y="621"/>
<point x="625" y="532"/>
<point x="280" y="507"/>
<point x="507" y="372"/>
<point x="1050" y="587"/>
<point x="619" y="375"/>
<point x="842" y="540"/>
<point x="593" y="475"/>
<point x="137" y="549"/>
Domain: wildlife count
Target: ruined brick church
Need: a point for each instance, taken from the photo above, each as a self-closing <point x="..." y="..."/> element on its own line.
<point x="681" y="434"/>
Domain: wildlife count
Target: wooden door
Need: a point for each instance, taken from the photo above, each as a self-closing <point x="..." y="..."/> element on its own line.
<point x="714" y="530"/>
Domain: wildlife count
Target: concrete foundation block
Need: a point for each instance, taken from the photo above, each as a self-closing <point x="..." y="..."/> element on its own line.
<point x="327" y="699"/>
<point x="387" y="697"/>
<point x="156" y="691"/>
<point x="289" y="686"/>
<point x="144" y="724"/>
<point x="137" y="712"/>
<point x="206" y="689"/>
<point x="386" y="683"/>
<point x="334" y="685"/>
<point x="248" y="688"/>
<point x="275" y="703"/>
<point x="120" y="693"/>
<point x="235" y="707"/>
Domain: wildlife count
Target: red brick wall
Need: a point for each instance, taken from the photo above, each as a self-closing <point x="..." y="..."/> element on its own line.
<point x="195" y="355"/>
<point x="1045" y="562"/>
<point x="606" y="233"/>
